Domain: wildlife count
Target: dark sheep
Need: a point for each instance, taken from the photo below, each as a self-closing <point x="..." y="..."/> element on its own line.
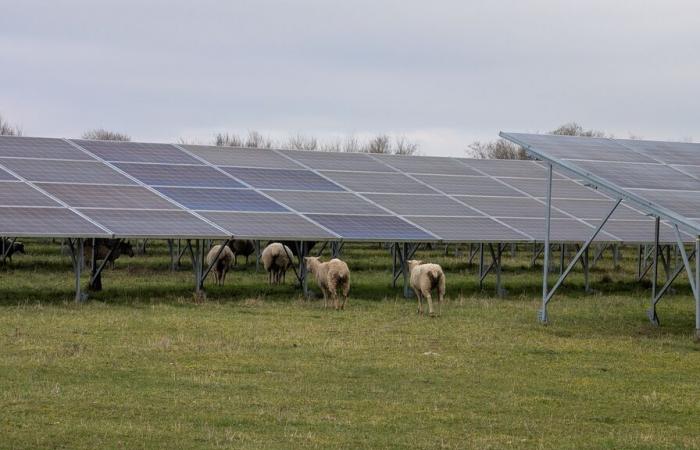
<point x="11" y="248"/>
<point x="241" y="247"/>
<point x="103" y="246"/>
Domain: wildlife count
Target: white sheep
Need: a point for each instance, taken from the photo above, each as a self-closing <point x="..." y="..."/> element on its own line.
<point x="223" y="262"/>
<point x="330" y="276"/>
<point x="276" y="259"/>
<point x="425" y="278"/>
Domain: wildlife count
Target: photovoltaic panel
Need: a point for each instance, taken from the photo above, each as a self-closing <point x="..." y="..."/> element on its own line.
<point x="6" y="176"/>
<point x="640" y="231"/>
<point x="47" y="148"/>
<point x="153" y="224"/>
<point x="508" y="206"/>
<point x="242" y="157"/>
<point x="136" y="152"/>
<point x="426" y="164"/>
<point x="178" y="175"/>
<point x="222" y="199"/>
<point x="666" y="152"/>
<point x="21" y="194"/>
<point x="453" y="185"/>
<point x="269" y="225"/>
<point x="335" y="161"/>
<point x="560" y="189"/>
<point x="510" y="168"/>
<point x="693" y="171"/>
<point x="468" y="229"/>
<point x="650" y="176"/>
<point x="582" y="148"/>
<point x="282" y="179"/>
<point x="378" y="183"/>
<point x="596" y="209"/>
<point x="48" y="222"/>
<point x="325" y="202"/>
<point x="65" y="171"/>
<point x="686" y="203"/>
<point x="372" y="228"/>
<point x="106" y="196"/>
<point x="562" y="230"/>
<point x="427" y="205"/>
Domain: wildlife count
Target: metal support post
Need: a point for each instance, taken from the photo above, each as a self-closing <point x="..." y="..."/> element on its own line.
<point x="76" y="252"/>
<point x="198" y="261"/>
<point x="404" y="269"/>
<point x="205" y="273"/>
<point x="336" y="249"/>
<point x="562" y="255"/>
<point x="697" y="287"/>
<point x="256" y="245"/>
<point x="655" y="274"/>
<point x="548" y="218"/>
<point x="481" y="265"/>
<point x="95" y="283"/>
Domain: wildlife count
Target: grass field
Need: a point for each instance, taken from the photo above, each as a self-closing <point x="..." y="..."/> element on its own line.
<point x="141" y="365"/>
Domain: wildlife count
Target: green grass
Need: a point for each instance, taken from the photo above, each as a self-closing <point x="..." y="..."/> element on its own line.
<point x="142" y="366"/>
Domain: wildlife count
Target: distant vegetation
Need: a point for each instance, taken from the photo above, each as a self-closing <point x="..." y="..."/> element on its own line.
<point x="7" y="129"/>
<point x="100" y="134"/>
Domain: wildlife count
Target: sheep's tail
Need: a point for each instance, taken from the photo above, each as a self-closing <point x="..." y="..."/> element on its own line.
<point x="437" y="278"/>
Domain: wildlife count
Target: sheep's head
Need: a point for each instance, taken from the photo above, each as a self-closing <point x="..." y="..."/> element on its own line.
<point x="413" y="263"/>
<point x="311" y="262"/>
<point x="18" y="247"/>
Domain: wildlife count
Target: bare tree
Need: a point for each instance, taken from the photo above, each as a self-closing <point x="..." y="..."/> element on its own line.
<point x="100" y="134"/>
<point x="256" y="140"/>
<point x="6" y="129"/>
<point x="574" y="129"/>
<point x="352" y="144"/>
<point x="498" y="149"/>
<point x="405" y="147"/>
<point x="379" y="144"/>
<point x="228" y="140"/>
<point x="301" y="142"/>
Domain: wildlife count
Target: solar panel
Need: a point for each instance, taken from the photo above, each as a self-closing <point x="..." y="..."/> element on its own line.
<point x="222" y="199"/>
<point x="325" y="202"/>
<point x="372" y="228"/>
<point x="453" y="185"/>
<point x="650" y="176"/>
<point x="65" y="171"/>
<point x="21" y="194"/>
<point x="508" y="206"/>
<point x="153" y="224"/>
<point x="378" y="183"/>
<point x="337" y="161"/>
<point x="468" y="229"/>
<point x="178" y="175"/>
<point x="426" y="164"/>
<point x="596" y="209"/>
<point x="282" y="179"/>
<point x="508" y="168"/>
<point x="106" y="196"/>
<point x="6" y="176"/>
<point x="693" y="171"/>
<point x="639" y="231"/>
<point x="45" y="148"/>
<point x="686" y="203"/>
<point x="45" y="222"/>
<point x="268" y="226"/>
<point x="666" y="152"/>
<point x="242" y="157"/>
<point x="136" y="152"/>
<point x="562" y="230"/>
<point x="426" y="205"/>
<point x="560" y="189"/>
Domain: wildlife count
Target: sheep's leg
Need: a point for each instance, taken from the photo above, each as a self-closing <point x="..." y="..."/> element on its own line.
<point x="430" y="303"/>
<point x="441" y="292"/>
<point x="420" y="302"/>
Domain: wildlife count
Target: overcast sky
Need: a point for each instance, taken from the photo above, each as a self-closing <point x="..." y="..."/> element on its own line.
<point x="444" y="73"/>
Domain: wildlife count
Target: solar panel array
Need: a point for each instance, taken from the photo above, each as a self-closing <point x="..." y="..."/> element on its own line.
<point x="56" y="187"/>
<point x="659" y="176"/>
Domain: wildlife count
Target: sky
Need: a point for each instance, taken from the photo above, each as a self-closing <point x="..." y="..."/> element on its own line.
<point x="441" y="73"/>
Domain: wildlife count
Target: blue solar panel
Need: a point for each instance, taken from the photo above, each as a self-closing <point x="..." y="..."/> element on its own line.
<point x="371" y="227"/>
<point x="137" y="152"/>
<point x="48" y="148"/>
<point x="222" y="199"/>
<point x="185" y="176"/>
<point x="283" y="179"/>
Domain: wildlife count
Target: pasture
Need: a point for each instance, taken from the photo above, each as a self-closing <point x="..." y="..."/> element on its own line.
<point x="140" y="365"/>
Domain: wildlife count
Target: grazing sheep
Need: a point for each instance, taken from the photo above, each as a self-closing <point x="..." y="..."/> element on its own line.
<point x="425" y="278"/>
<point x="276" y="259"/>
<point x="103" y="246"/>
<point x="11" y="248"/>
<point x="221" y="264"/>
<point x="241" y="247"/>
<point x="330" y="276"/>
<point x="293" y="245"/>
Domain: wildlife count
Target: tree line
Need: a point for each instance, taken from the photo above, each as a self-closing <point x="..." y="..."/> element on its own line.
<point x="381" y="143"/>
